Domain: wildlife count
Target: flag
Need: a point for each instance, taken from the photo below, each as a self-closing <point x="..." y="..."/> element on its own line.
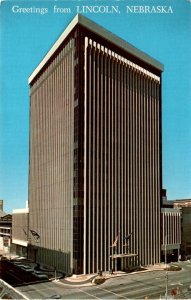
<point x="115" y="242"/>
<point x="35" y="234"/>
<point x="128" y="236"/>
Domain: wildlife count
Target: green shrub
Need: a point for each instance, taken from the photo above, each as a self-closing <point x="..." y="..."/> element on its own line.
<point x="98" y="280"/>
<point x="174" y="268"/>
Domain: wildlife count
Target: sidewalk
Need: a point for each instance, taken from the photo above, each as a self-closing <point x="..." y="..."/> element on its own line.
<point x="78" y="280"/>
<point x="8" y="255"/>
<point x="157" y="267"/>
<point x="87" y="279"/>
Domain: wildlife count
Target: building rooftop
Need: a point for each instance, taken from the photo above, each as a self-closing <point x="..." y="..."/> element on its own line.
<point x="182" y="202"/>
<point x="103" y="33"/>
<point x="2" y="213"/>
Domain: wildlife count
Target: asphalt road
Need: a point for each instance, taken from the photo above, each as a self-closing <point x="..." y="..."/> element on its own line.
<point x="131" y="286"/>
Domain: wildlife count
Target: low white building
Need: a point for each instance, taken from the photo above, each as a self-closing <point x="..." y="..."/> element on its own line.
<point x="20" y="230"/>
<point x="5" y="230"/>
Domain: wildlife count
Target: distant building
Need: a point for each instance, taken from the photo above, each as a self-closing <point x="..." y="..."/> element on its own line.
<point x="165" y="202"/>
<point x="5" y="230"/>
<point x="176" y="226"/>
<point x="186" y="231"/>
<point x="95" y="152"/>
<point x="2" y="213"/>
<point x="179" y="203"/>
<point x="184" y="205"/>
<point x="170" y="232"/>
<point x="20" y="234"/>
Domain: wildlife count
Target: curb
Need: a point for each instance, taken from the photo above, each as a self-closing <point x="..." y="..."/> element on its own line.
<point x="90" y="283"/>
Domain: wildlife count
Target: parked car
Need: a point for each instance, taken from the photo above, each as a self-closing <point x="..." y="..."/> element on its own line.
<point x="40" y="274"/>
<point x="26" y="268"/>
<point x="17" y="263"/>
<point x="20" y="258"/>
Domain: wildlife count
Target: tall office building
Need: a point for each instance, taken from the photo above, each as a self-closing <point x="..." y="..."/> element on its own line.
<point x="95" y="151"/>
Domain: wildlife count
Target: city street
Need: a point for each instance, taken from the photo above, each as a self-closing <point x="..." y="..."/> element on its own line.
<point x="132" y="286"/>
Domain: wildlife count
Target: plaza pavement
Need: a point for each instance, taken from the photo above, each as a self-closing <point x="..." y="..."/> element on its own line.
<point x="86" y="280"/>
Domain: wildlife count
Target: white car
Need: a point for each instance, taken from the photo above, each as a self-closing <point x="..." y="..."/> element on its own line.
<point x="20" y="258"/>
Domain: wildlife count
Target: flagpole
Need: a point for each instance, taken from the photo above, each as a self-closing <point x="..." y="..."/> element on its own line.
<point x="112" y="252"/>
<point x="112" y="259"/>
<point x="166" y="287"/>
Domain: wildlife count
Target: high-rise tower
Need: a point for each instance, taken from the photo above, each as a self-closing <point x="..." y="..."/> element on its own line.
<point x="95" y="151"/>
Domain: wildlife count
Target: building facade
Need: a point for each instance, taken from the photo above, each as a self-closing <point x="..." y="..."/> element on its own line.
<point x="184" y="205"/>
<point x="5" y="230"/>
<point x="186" y="232"/>
<point x="20" y="231"/>
<point x="5" y="233"/>
<point x="95" y="151"/>
<point x="170" y="232"/>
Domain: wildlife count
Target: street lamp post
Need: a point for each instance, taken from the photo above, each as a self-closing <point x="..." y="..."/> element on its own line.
<point x="166" y="287"/>
<point x="55" y="279"/>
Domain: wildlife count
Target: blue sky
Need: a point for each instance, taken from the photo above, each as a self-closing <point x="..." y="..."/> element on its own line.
<point x="25" y="39"/>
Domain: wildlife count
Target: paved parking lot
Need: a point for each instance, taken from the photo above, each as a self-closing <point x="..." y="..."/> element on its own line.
<point x="18" y="272"/>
